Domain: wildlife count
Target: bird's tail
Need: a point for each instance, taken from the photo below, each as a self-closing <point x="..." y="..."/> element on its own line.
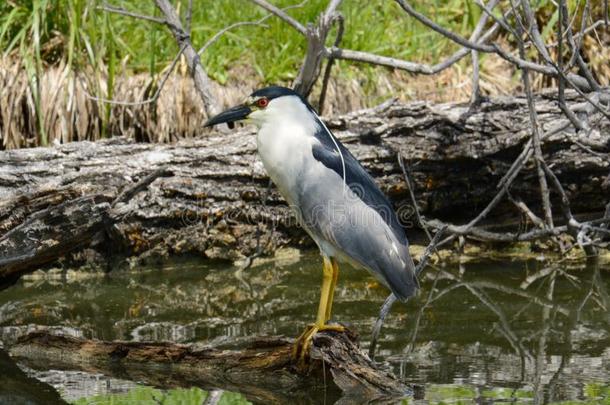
<point x="404" y="284"/>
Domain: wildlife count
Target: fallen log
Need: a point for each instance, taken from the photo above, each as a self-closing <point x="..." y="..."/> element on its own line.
<point x="215" y="203"/>
<point x="261" y="368"/>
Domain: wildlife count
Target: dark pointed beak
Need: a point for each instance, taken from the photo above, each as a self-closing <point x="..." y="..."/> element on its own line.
<point x="229" y="116"/>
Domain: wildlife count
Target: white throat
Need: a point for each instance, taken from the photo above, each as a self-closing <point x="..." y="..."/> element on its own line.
<point x="285" y="136"/>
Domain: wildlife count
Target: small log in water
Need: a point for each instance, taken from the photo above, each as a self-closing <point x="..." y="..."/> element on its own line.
<point x="261" y="368"/>
<point x="61" y="201"/>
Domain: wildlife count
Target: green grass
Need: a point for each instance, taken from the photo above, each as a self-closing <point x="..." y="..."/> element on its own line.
<point x="273" y="53"/>
<point x="149" y="395"/>
<point x="97" y="50"/>
<point x="595" y="394"/>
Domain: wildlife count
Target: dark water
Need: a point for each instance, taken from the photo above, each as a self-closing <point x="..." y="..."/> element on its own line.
<point x="479" y="332"/>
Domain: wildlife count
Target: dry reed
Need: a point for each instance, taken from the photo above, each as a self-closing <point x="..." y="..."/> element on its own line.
<point x="70" y="113"/>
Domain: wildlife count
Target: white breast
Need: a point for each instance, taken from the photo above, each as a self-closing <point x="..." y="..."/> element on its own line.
<point x="285" y="150"/>
<point x="285" y="136"/>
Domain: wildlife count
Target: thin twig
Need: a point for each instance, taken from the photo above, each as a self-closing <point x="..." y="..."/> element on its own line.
<point x="410" y="186"/>
<point x="561" y="82"/>
<point x="521" y="206"/>
<point x="520" y="62"/>
<point x="259" y="250"/>
<point x="575" y="81"/>
<point x="576" y="46"/>
<point x="329" y="65"/>
<point x="119" y="10"/>
<point x="228" y="28"/>
<point x="580" y="36"/>
<point x="544" y="190"/>
<point x="488" y="236"/>
<point x="155" y="96"/>
<point x="188" y="18"/>
<point x="391" y="299"/>
<point x="475" y="97"/>
<point x="200" y="77"/>
<point x="131" y="191"/>
<point x="282" y="15"/>
<point x="443" y="31"/>
<point x="503" y="186"/>
<point x="413" y="67"/>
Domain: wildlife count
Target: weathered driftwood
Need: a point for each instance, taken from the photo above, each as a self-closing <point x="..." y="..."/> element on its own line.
<point x="261" y="368"/>
<point x="54" y="199"/>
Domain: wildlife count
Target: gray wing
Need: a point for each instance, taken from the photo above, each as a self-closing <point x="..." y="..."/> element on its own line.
<point x="365" y="227"/>
<point x="361" y="183"/>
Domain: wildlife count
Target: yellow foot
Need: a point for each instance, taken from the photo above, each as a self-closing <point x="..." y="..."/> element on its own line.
<point x="303" y="343"/>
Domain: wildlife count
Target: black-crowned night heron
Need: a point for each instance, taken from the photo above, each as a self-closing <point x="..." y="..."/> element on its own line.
<point x="335" y="200"/>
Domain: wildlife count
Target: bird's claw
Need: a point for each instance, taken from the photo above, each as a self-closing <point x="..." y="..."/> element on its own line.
<point x="302" y="345"/>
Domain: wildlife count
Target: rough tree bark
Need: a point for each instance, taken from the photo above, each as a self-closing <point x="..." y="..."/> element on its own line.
<point x="58" y="201"/>
<point x="261" y="368"/>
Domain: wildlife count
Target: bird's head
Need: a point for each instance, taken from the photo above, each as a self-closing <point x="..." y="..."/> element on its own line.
<point x="264" y="106"/>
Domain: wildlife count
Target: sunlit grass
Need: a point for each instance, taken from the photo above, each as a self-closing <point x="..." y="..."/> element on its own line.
<point x="149" y="395"/>
<point x="87" y="35"/>
<point x="98" y="50"/>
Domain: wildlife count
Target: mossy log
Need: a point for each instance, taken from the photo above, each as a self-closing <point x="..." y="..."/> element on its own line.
<point x="69" y="201"/>
<point x="261" y="368"/>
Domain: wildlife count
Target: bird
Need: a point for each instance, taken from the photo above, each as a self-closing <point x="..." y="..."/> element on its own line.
<point x="335" y="200"/>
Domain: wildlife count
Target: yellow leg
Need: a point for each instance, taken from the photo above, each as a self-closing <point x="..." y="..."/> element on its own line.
<point x="329" y="281"/>
<point x="333" y="285"/>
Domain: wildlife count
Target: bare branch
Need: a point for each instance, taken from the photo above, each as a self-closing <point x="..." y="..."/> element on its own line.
<point x="576" y="46"/>
<point x="200" y="77"/>
<point x="579" y="36"/>
<point x="358" y="56"/>
<point x="521" y="206"/>
<point x="172" y="20"/>
<point x="564" y="201"/>
<point x="387" y="305"/>
<point x="488" y="236"/>
<point x="407" y="177"/>
<point x="282" y="15"/>
<point x="539" y="160"/>
<point x="228" y="28"/>
<point x="316" y="40"/>
<point x="188" y="18"/>
<point x="500" y="21"/>
<point x="329" y="64"/>
<point x="475" y="97"/>
<point x="445" y="32"/>
<point x="503" y="186"/>
<point x="118" y="10"/>
<point x="533" y="30"/>
<point x="155" y="96"/>
<point x="573" y="79"/>
<point x="259" y="22"/>
<point x="561" y="82"/>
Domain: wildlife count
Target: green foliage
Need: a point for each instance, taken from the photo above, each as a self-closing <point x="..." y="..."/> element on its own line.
<point x="149" y="395"/>
<point x="89" y="36"/>
<point x="595" y="393"/>
<point x="78" y="36"/>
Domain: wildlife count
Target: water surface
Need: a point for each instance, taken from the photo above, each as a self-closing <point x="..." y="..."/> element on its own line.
<point x="492" y="331"/>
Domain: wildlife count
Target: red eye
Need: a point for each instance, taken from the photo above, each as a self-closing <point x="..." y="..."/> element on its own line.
<point x="262" y="102"/>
